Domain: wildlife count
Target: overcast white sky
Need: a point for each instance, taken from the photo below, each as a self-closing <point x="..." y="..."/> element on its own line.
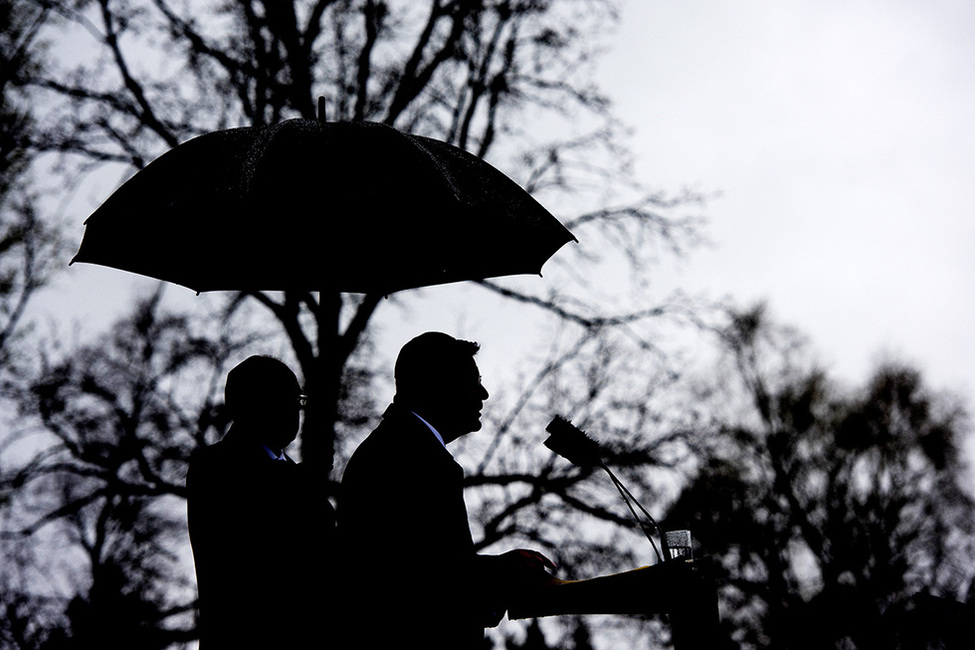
<point x="841" y="136"/>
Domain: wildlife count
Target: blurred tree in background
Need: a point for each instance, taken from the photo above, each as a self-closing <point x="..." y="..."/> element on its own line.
<point x="816" y="501"/>
<point x="96" y="511"/>
<point x="840" y="516"/>
<point x="28" y="250"/>
<point x="28" y="244"/>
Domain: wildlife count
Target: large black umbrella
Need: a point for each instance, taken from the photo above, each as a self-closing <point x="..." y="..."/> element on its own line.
<point x="320" y="206"/>
<point x="310" y="205"/>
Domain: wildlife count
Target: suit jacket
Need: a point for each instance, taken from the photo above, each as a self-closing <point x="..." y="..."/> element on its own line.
<point x="262" y="532"/>
<point x="414" y="576"/>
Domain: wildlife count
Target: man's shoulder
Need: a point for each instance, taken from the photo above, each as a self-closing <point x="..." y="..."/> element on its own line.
<point x="206" y="455"/>
<point x="215" y="453"/>
<point x="387" y="438"/>
<point x="397" y="439"/>
<point x="229" y="458"/>
<point x="403" y="428"/>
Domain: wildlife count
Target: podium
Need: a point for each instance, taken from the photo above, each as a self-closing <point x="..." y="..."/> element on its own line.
<point x="683" y="590"/>
<point x="681" y="587"/>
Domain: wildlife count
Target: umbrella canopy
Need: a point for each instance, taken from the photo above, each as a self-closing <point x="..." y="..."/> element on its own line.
<point x="310" y="205"/>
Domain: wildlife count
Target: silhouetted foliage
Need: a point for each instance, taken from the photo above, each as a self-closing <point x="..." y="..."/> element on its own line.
<point x="838" y="515"/>
<point x="28" y="245"/>
<point x="96" y="505"/>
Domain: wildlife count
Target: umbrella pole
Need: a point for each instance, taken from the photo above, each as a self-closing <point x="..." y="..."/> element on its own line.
<point x="320" y="444"/>
<point x="331" y="370"/>
<point x="322" y="383"/>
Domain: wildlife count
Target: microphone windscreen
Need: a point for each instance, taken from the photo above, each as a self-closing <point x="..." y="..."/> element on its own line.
<point x="571" y="443"/>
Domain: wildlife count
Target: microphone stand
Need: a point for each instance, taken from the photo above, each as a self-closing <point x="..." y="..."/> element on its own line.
<point x="694" y="618"/>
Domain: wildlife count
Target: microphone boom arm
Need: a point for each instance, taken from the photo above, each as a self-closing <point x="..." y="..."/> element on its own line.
<point x="574" y="445"/>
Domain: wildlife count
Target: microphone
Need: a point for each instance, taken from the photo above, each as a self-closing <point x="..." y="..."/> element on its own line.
<point x="574" y="445"/>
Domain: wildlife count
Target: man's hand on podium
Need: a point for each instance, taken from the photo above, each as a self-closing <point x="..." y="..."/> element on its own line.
<point x="511" y="574"/>
<point x="526" y="568"/>
<point x="527" y="559"/>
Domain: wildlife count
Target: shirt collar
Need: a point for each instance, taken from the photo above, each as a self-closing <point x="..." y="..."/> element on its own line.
<point x="273" y="455"/>
<point x="430" y="426"/>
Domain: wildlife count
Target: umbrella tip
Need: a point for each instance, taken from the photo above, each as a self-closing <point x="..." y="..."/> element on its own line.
<point x="321" y="109"/>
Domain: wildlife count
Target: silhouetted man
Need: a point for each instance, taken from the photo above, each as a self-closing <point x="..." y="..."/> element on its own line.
<point x="402" y="513"/>
<point x="260" y="525"/>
